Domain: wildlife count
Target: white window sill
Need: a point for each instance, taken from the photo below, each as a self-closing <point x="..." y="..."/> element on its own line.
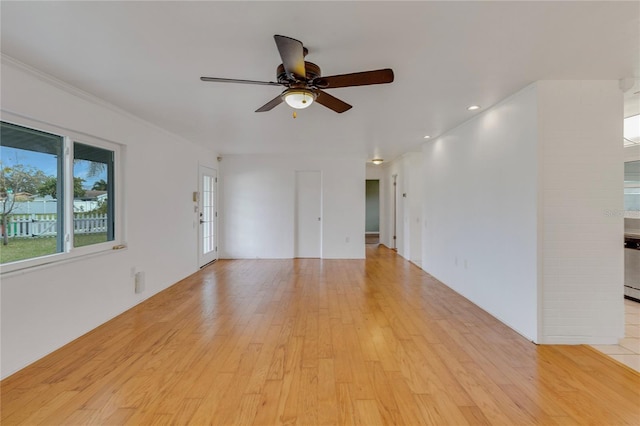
<point x="21" y="267"/>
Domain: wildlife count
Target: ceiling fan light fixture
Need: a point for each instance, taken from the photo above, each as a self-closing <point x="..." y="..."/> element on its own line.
<point x="303" y="80"/>
<point x="377" y="161"/>
<point x="298" y="98"/>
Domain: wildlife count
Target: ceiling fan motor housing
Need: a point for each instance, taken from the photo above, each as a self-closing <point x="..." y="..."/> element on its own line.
<point x="311" y="69"/>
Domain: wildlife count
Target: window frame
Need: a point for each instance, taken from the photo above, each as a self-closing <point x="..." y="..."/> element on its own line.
<point x="70" y="252"/>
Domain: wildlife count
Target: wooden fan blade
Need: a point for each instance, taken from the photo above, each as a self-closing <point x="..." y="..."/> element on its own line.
<point x="292" y="54"/>
<point x="233" y="80"/>
<point x="332" y="102"/>
<point x="271" y="104"/>
<point x="355" y="79"/>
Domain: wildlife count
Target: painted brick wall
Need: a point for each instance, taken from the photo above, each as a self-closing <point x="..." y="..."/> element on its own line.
<point x="580" y="226"/>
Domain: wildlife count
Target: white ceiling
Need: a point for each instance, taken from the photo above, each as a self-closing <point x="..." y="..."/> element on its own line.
<point x="147" y="57"/>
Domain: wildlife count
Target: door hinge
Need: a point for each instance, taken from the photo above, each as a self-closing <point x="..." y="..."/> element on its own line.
<point x="216" y="214"/>
<point x="216" y="248"/>
<point x="216" y="180"/>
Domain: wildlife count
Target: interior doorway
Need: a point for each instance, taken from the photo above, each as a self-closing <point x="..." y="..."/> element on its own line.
<point x="308" y="226"/>
<point x="372" y="211"/>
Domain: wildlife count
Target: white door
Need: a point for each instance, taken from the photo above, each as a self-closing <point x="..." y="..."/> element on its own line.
<point x="308" y="229"/>
<point x="207" y="211"/>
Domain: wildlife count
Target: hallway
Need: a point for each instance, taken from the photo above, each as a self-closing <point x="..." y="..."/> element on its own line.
<point x="310" y="341"/>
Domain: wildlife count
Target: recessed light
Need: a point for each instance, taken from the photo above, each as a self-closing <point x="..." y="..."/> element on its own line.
<point x="427" y="137"/>
<point x="473" y="107"/>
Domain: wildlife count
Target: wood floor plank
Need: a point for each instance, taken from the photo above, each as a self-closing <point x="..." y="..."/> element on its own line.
<point x="439" y="409"/>
<point x="327" y="393"/>
<point x="478" y="390"/>
<point x="308" y="400"/>
<point x="367" y="413"/>
<point x="325" y="347"/>
<point x="387" y="406"/>
<point x="288" y="407"/>
<point x="445" y="381"/>
<point x="474" y="416"/>
<point x="247" y="409"/>
<point x="410" y="412"/>
<point x="43" y="413"/>
<point x="219" y="386"/>
<point x="346" y="405"/>
<point x="81" y="417"/>
<point x="309" y="341"/>
<point x="267" y="409"/>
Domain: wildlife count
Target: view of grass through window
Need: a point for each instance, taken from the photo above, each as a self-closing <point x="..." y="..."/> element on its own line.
<point x="32" y="195"/>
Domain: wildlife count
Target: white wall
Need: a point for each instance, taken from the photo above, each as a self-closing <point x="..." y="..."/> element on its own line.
<point x="516" y="204"/>
<point x="480" y="211"/>
<point x="258" y="208"/>
<point x="45" y="308"/>
<point x="581" y="251"/>
<point x="375" y="171"/>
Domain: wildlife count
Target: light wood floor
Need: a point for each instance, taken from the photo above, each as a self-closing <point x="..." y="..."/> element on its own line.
<point x="317" y="342"/>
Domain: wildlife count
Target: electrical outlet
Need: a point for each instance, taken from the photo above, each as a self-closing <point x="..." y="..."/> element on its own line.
<point x="139" y="282"/>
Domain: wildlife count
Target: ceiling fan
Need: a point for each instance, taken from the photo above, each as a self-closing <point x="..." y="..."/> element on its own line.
<point x="304" y="82"/>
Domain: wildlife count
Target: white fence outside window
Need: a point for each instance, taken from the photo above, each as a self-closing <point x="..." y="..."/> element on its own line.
<point x="23" y="226"/>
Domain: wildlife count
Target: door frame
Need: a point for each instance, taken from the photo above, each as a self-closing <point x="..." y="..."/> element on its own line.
<point x="395" y="212"/>
<point x="379" y="207"/>
<point x="203" y="259"/>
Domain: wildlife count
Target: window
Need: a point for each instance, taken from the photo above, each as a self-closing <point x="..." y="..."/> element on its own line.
<point x="632" y="189"/>
<point x="93" y="178"/>
<point x="631" y="131"/>
<point x="31" y="160"/>
<point x="57" y="195"/>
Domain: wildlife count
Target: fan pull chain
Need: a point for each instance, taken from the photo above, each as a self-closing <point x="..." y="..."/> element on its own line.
<point x="295" y="115"/>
